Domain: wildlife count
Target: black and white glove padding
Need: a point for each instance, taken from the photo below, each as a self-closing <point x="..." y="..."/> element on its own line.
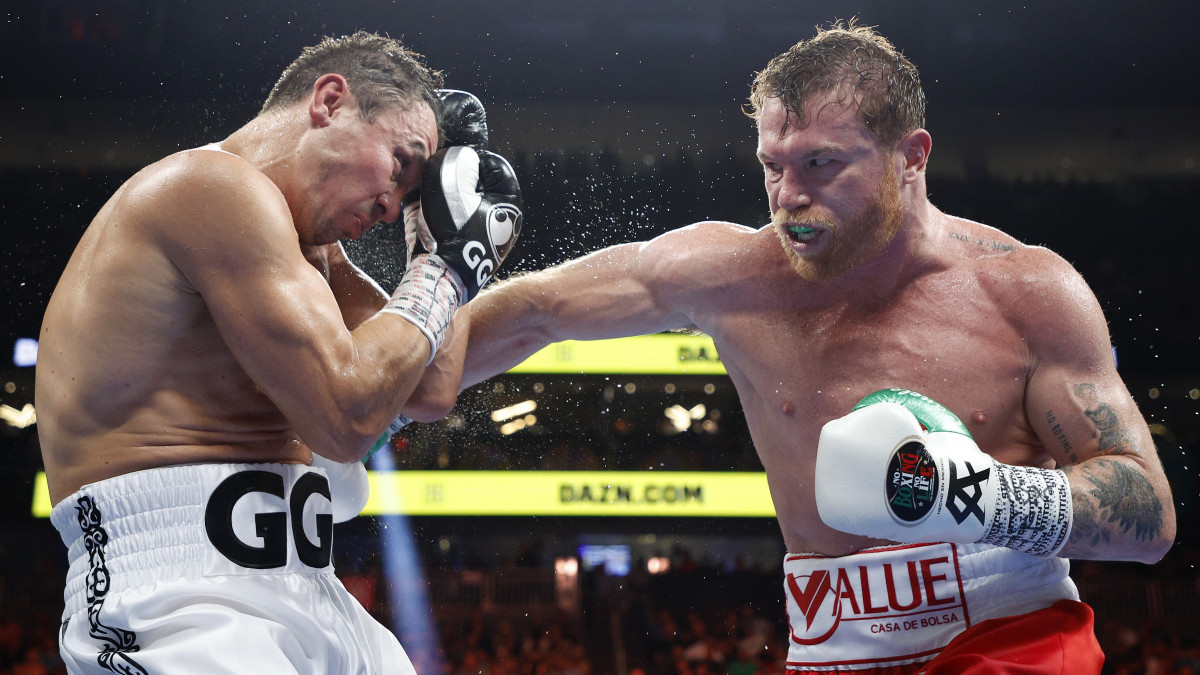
<point x="904" y="468"/>
<point x="471" y="204"/>
<point x="462" y="120"/>
<point x="468" y="210"/>
<point x="460" y="225"/>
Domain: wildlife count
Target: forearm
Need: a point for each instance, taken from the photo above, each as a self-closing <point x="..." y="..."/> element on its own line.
<point x="508" y="324"/>
<point x="368" y="381"/>
<point x="437" y="392"/>
<point x="1119" y="513"/>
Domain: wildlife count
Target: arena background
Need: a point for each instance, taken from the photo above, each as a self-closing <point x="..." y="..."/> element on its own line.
<point x="1071" y="126"/>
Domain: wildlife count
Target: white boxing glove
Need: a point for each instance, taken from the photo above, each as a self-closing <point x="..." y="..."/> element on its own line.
<point x="904" y="468"/>
<point x="349" y="487"/>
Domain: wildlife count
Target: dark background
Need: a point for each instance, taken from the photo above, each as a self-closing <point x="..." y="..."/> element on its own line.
<point x="1071" y="126"/>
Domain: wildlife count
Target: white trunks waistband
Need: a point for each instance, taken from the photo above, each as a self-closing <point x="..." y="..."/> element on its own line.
<point x="903" y="603"/>
<point x="194" y="521"/>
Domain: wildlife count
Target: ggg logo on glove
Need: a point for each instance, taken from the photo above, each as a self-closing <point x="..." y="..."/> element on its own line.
<point x="912" y="483"/>
<point x="501" y="230"/>
<point x="501" y="227"/>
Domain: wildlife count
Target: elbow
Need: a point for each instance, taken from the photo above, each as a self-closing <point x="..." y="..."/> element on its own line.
<point x="430" y="406"/>
<point x="1154" y="543"/>
<point x="1158" y="547"/>
<point x="343" y="443"/>
<point x="1156" y="550"/>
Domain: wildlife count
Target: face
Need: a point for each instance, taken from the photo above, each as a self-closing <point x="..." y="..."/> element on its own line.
<point x="360" y="172"/>
<point x="834" y="200"/>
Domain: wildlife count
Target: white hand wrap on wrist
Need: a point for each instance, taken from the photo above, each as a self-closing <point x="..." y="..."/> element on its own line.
<point x="428" y="295"/>
<point x="1033" y="510"/>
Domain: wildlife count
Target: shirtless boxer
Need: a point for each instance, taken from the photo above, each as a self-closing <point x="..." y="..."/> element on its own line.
<point x="861" y="284"/>
<point x="209" y="335"/>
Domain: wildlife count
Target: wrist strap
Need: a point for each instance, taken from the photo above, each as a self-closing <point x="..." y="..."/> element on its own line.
<point x="428" y="295"/>
<point x="1033" y="510"/>
<point x="397" y="424"/>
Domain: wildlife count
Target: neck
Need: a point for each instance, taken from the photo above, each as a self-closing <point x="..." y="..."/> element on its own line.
<point x="911" y="252"/>
<point x="268" y="142"/>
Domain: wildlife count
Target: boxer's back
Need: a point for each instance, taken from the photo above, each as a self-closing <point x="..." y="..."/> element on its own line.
<point x="132" y="371"/>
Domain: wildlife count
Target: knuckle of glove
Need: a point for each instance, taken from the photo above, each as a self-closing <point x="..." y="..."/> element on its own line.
<point x="498" y="181"/>
<point x="463" y="119"/>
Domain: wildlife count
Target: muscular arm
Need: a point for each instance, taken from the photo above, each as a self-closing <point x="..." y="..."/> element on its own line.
<point x="628" y="289"/>
<point x="232" y="238"/>
<point x="359" y="298"/>
<point x="1087" y="420"/>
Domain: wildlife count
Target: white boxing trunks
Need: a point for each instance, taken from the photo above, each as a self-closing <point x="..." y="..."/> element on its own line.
<point x="212" y="568"/>
<point x="901" y="604"/>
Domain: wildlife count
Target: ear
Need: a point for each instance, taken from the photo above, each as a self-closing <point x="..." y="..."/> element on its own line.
<point x="914" y="148"/>
<point x="330" y="95"/>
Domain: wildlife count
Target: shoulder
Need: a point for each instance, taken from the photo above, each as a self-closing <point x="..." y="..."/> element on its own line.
<point x="211" y="213"/>
<point x="1039" y="292"/>
<point x="1004" y="264"/>
<point x="708" y="233"/>
<point x="217" y="189"/>
<point x="708" y="246"/>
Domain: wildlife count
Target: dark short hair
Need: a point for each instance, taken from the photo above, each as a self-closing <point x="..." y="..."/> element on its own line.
<point x="855" y="61"/>
<point x="381" y="72"/>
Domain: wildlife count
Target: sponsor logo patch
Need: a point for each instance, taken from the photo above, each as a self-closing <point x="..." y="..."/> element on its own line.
<point x="875" y="606"/>
<point x="912" y="483"/>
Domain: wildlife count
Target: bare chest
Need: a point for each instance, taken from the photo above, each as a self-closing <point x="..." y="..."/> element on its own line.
<point x="796" y="369"/>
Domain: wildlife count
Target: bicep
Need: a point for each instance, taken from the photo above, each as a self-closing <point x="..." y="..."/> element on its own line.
<point x="275" y="312"/>
<point x="357" y="295"/>
<point x="1075" y="400"/>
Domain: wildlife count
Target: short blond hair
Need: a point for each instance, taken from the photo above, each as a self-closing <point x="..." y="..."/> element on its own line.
<point x="853" y="60"/>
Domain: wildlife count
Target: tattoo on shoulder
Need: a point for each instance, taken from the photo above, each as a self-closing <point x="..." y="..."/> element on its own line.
<point x="985" y="243"/>
<point x="1124" y="498"/>
<point x="1114" y="437"/>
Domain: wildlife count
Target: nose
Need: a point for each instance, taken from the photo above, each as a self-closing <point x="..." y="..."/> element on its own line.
<point x="791" y="193"/>
<point x="387" y="206"/>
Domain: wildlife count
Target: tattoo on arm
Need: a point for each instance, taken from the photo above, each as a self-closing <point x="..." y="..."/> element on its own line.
<point x="1124" y="499"/>
<point x="1114" y="438"/>
<point x="1061" y="436"/>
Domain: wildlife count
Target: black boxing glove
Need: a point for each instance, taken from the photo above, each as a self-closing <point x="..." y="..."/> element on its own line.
<point x="463" y="120"/>
<point x="471" y="204"/>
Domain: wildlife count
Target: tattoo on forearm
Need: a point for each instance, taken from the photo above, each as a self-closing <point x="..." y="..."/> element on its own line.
<point x="1114" y="438"/>
<point x="1061" y="436"/>
<point x="1123" y="499"/>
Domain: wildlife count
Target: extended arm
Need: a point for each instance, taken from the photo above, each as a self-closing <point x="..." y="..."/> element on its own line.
<point x="628" y="289"/>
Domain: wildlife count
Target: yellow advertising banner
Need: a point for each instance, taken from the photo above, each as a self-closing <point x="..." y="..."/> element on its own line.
<point x="658" y="354"/>
<point x="708" y="494"/>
